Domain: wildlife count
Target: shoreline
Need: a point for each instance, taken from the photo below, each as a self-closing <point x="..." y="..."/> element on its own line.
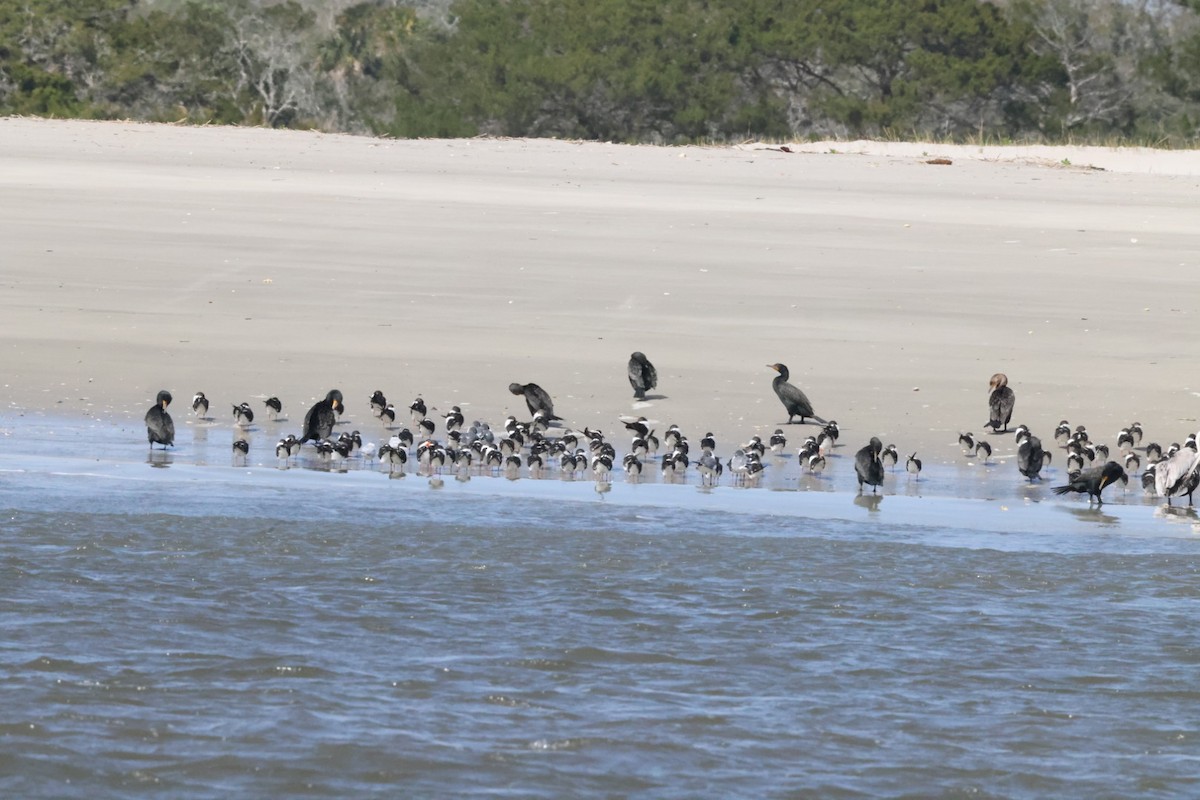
<point x="248" y="262"/>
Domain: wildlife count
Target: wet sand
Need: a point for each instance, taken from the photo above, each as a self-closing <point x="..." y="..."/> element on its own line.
<point x="248" y="263"/>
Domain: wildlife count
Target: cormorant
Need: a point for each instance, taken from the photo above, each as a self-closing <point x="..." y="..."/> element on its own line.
<point x="536" y="398"/>
<point x="794" y="401"/>
<point x="642" y="375"/>
<point x="160" y="428"/>
<point x="1030" y="456"/>
<point x="867" y="465"/>
<point x="319" y="421"/>
<point x="1094" y="480"/>
<point x="1000" y="402"/>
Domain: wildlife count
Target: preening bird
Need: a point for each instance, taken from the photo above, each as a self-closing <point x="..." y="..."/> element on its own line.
<point x="274" y="407"/>
<point x="795" y="402"/>
<point x="1178" y="474"/>
<point x="320" y="419"/>
<point x="642" y="375"/>
<point x="160" y="428"/>
<point x="1030" y="456"/>
<point x="242" y="414"/>
<point x="867" y="465"/>
<point x="537" y="398"/>
<point x="913" y="465"/>
<point x="1094" y="480"/>
<point x="1000" y="402"/>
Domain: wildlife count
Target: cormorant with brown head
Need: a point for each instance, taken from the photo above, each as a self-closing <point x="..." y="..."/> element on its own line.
<point x="319" y="421"/>
<point x="537" y="398"/>
<point x="794" y="401"/>
<point x="1094" y="480"/>
<point x="1000" y="402"/>
<point x="867" y="465"/>
<point x="160" y="428"/>
<point x="642" y="375"/>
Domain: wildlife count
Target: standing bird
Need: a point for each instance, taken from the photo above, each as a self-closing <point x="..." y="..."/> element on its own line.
<point x="417" y="411"/>
<point x="778" y="442"/>
<point x="200" y="405"/>
<point x="642" y="375"/>
<point x="537" y="398"/>
<point x="983" y="450"/>
<point x="794" y="401"/>
<point x="388" y="415"/>
<point x="243" y="415"/>
<point x="1030" y="456"/>
<point x="378" y="403"/>
<point x="1094" y="480"/>
<point x="889" y="457"/>
<point x="160" y="428"/>
<point x="1000" y="402"/>
<point x="867" y="465"/>
<point x="913" y="465"/>
<point x="1178" y="475"/>
<point x="274" y="407"/>
<point x="241" y="451"/>
<point x="319" y="421"/>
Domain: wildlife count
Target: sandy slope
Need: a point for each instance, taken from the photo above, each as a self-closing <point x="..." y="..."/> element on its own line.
<point x="252" y="262"/>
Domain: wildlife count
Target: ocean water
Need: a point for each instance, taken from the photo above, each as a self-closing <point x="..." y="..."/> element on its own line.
<point x="176" y="626"/>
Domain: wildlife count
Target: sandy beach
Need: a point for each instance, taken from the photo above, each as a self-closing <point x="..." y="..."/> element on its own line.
<point x="247" y="263"/>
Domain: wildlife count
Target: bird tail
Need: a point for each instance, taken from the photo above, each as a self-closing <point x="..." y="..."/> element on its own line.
<point x="1061" y="489"/>
<point x="819" y="420"/>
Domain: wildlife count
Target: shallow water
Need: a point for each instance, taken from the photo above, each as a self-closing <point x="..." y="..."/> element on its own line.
<point x="209" y="631"/>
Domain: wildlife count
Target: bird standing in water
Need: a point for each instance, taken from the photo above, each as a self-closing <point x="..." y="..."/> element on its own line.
<point x="642" y="375"/>
<point x="160" y="428"/>
<point x="867" y="465"/>
<point x="274" y="407"/>
<point x="1094" y="480"/>
<point x="537" y="398"/>
<point x="320" y="419"/>
<point x="794" y="401"/>
<point x="1000" y="402"/>
<point x="200" y="405"/>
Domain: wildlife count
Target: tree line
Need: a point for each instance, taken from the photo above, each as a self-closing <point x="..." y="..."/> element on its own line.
<point x="664" y="71"/>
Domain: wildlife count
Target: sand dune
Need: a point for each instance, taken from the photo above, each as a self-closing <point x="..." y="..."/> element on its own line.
<point x="247" y="263"/>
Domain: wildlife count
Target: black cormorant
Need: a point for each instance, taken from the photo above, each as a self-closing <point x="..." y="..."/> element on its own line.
<point x="319" y="421"/>
<point x="1030" y="456"/>
<point x="160" y="428"/>
<point x="642" y="375"/>
<point x="794" y="401"/>
<point x="1000" y="402"/>
<point x="536" y="398"/>
<point x="1094" y="480"/>
<point x="867" y="465"/>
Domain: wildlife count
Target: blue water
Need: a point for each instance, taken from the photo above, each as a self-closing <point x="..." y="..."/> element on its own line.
<point x="209" y="631"/>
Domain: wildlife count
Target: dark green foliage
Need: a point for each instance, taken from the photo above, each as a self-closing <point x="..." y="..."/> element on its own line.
<point x="626" y="70"/>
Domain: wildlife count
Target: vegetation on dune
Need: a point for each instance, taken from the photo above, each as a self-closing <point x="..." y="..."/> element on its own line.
<point x="626" y="70"/>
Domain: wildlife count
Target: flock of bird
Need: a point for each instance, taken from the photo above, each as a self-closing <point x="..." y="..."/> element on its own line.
<point x="531" y="445"/>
